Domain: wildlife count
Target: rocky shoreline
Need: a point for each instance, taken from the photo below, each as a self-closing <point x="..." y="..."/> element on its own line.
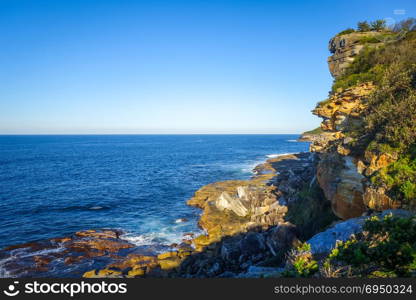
<point x="250" y="228"/>
<point x="246" y="225"/>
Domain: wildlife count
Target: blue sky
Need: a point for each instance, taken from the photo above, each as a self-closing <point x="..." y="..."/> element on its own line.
<point x="170" y="66"/>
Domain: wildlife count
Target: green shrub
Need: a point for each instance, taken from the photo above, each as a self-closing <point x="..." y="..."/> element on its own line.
<point x="378" y="25"/>
<point x="408" y="190"/>
<point x="387" y="245"/>
<point x="301" y="263"/>
<point x="400" y="178"/>
<point x="371" y="39"/>
<point x="317" y="130"/>
<point x="362" y="69"/>
<point x="373" y="75"/>
<point x="363" y="26"/>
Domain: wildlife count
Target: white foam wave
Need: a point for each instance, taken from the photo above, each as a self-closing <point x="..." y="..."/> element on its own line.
<point x="154" y="238"/>
<point x="279" y="154"/>
<point x="293" y="141"/>
<point x="18" y="254"/>
<point x="3" y="272"/>
<point x="96" y="207"/>
<point x="157" y="238"/>
<point x="248" y="168"/>
<point x="139" y="240"/>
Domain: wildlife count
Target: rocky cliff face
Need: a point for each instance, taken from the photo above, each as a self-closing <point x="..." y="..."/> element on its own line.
<point x="338" y="172"/>
<point x="345" y="48"/>
<point x="343" y="175"/>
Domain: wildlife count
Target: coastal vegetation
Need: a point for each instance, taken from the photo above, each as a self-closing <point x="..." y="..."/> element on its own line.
<point x="380" y="25"/>
<point x="364" y="26"/>
<point x="385" y="248"/>
<point x="390" y="115"/>
<point x="317" y="130"/>
<point x="376" y="63"/>
<point x="400" y="178"/>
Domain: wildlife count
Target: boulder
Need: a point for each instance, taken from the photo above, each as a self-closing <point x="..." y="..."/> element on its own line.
<point x="260" y="272"/>
<point x="376" y="199"/>
<point x="235" y="204"/>
<point x="230" y="250"/>
<point x="252" y="243"/>
<point x="281" y="237"/>
<point x="324" y="242"/>
<point x="342" y="184"/>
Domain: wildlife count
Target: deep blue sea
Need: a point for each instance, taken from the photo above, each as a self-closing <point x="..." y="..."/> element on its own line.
<point x="55" y="185"/>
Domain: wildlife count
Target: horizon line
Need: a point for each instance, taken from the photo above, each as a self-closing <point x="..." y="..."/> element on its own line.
<point x="226" y="133"/>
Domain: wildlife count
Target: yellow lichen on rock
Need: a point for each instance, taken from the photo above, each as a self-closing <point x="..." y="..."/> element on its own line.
<point x="170" y="263"/>
<point x="167" y="255"/>
<point x="104" y="273"/>
<point x="90" y="274"/>
<point x="136" y="272"/>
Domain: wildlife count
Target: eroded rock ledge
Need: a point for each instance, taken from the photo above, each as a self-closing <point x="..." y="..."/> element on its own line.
<point x="64" y="256"/>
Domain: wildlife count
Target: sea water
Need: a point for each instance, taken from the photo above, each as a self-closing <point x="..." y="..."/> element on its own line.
<point x="53" y="186"/>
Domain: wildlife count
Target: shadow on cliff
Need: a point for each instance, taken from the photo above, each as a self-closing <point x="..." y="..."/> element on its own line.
<point x="238" y="254"/>
<point x="311" y="212"/>
<point x="241" y="255"/>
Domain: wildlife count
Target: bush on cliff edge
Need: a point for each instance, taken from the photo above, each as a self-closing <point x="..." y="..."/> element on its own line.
<point x="386" y="248"/>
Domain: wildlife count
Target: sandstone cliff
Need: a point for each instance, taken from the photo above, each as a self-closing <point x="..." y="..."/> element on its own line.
<point x="344" y="170"/>
<point x="339" y="173"/>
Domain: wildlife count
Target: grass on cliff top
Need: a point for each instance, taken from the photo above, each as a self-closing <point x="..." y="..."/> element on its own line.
<point x="315" y="131"/>
<point x="364" y="68"/>
<point x="384" y="36"/>
<point x="373" y="62"/>
<point x="346" y="31"/>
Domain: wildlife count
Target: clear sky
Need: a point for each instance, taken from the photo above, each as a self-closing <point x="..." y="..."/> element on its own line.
<point x="170" y="66"/>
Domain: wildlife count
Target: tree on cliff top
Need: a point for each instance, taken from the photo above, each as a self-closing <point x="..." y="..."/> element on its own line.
<point x="363" y="26"/>
<point x="378" y="25"/>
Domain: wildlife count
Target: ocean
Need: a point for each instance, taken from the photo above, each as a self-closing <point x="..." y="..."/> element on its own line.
<point x="55" y="185"/>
